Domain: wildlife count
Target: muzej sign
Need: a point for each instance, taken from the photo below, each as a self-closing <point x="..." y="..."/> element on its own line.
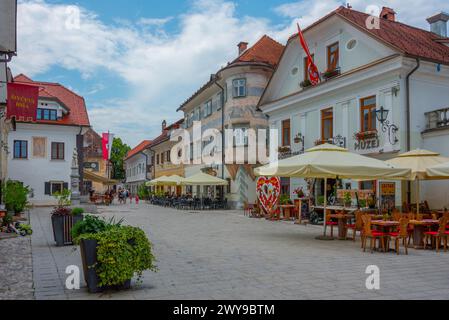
<point x="22" y="102"/>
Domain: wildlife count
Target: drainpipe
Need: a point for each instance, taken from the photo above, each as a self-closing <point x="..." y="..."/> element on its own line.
<point x="222" y="130"/>
<point x="408" y="117"/>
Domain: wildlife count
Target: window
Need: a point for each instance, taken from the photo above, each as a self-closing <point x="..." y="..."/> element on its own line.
<point x="241" y="135"/>
<point x="327" y="124"/>
<point x="157" y="159"/>
<point x="368" y="114"/>
<point x="368" y="185"/>
<point x="286" y="133"/>
<point x="47" y="114"/>
<point x="306" y="70"/>
<point x="20" y="149"/>
<point x="332" y="57"/>
<point x="162" y="158"/>
<point x="57" y="151"/>
<point x="53" y="187"/>
<point x="168" y="156"/>
<point x="152" y="160"/>
<point x="285" y="186"/>
<point x="239" y="88"/>
<point x="208" y="108"/>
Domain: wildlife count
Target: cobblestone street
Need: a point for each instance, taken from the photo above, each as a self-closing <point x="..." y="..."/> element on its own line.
<point x="16" y="273"/>
<point x="224" y="255"/>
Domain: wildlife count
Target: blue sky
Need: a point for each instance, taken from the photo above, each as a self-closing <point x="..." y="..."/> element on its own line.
<point x="136" y="61"/>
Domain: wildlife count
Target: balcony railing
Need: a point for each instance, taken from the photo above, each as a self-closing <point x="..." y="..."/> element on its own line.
<point x="437" y="119"/>
<point x="286" y="152"/>
<point x="337" y="140"/>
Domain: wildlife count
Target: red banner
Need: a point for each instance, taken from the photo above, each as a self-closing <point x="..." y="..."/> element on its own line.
<point x="314" y="74"/>
<point x="22" y="102"/>
<point x="105" y="145"/>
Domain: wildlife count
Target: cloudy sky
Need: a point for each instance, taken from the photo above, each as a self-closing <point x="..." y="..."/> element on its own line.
<point x="136" y="61"/>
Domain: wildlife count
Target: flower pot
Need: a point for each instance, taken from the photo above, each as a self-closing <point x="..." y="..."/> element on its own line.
<point x="89" y="259"/>
<point x="62" y="228"/>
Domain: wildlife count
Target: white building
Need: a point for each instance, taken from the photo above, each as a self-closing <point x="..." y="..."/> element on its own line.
<point x="137" y="164"/>
<point x="401" y="68"/>
<point x="41" y="153"/>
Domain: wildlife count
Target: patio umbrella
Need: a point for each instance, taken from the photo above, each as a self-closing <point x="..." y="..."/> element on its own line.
<point x="155" y="182"/>
<point x="330" y="162"/>
<point x="440" y="171"/>
<point x="419" y="161"/>
<point x="203" y="179"/>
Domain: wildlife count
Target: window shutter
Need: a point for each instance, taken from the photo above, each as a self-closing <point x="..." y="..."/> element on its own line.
<point x="47" y="188"/>
<point x="65" y="185"/>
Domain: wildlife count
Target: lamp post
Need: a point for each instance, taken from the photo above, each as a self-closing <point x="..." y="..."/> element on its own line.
<point x="392" y="129"/>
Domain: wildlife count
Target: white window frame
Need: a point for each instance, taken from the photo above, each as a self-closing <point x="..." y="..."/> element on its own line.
<point x="239" y="85"/>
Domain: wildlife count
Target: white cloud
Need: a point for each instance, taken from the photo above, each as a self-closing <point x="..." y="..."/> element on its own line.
<point x="161" y="69"/>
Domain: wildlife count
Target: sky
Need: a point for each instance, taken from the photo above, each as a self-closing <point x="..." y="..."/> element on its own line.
<point x="136" y="61"/>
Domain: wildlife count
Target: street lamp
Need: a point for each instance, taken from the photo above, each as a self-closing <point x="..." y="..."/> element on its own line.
<point x="392" y="129"/>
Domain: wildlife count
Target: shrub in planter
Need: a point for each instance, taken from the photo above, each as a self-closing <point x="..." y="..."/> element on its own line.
<point x="113" y="256"/>
<point x="16" y="196"/>
<point x="63" y="219"/>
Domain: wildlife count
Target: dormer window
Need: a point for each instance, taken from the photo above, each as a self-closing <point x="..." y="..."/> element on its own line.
<point x="47" y="114"/>
<point x="332" y="57"/>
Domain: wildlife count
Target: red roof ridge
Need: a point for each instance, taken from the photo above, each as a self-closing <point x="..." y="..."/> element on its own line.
<point x="139" y="148"/>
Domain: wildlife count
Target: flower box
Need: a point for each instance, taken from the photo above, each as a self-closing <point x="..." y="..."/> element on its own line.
<point x="366" y="135"/>
<point x="331" y="74"/>
<point x="305" y="84"/>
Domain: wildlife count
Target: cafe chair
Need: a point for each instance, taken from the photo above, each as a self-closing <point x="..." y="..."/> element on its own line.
<point x="330" y="223"/>
<point x="357" y="225"/>
<point x="373" y="235"/>
<point x="437" y="236"/>
<point x="396" y="215"/>
<point x="401" y="234"/>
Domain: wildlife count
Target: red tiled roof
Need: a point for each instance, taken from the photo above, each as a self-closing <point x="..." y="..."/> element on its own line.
<point x="164" y="135"/>
<point x="140" y="147"/>
<point x="266" y="51"/>
<point x="75" y="104"/>
<point x="408" y="40"/>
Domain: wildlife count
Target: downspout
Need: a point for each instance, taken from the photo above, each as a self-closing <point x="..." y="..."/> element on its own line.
<point x="222" y="130"/>
<point x="408" y="118"/>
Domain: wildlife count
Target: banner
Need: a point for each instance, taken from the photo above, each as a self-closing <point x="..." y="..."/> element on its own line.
<point x="22" y="102"/>
<point x="106" y="142"/>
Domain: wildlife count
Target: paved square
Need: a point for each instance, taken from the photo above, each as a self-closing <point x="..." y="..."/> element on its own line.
<point x="224" y="255"/>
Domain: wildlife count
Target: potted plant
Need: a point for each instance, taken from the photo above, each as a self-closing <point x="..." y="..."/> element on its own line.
<point x="306" y="83"/>
<point x="284" y="149"/>
<point x="320" y="200"/>
<point x="299" y="192"/>
<point x="365" y="135"/>
<point x="16" y="196"/>
<point x="63" y="219"/>
<point x="331" y="73"/>
<point x="362" y="203"/>
<point x="347" y="199"/>
<point x="371" y="201"/>
<point x="112" y="254"/>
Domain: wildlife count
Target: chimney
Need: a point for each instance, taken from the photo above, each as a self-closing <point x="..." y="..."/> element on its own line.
<point x="242" y="47"/>
<point x="164" y="125"/>
<point x="388" y="14"/>
<point x="438" y="23"/>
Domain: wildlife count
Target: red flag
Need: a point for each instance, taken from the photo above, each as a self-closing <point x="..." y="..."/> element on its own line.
<point x="314" y="74"/>
<point x="105" y="145"/>
<point x="22" y="102"/>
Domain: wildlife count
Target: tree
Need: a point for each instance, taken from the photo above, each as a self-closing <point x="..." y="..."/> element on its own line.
<point x="118" y="155"/>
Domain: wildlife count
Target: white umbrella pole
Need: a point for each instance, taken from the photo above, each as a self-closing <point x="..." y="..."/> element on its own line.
<point x="325" y="205"/>
<point x="417" y="196"/>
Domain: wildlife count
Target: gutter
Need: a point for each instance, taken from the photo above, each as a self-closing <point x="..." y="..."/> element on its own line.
<point x="408" y="118"/>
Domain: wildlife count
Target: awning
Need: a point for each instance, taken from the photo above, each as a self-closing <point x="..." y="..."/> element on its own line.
<point x="89" y="175"/>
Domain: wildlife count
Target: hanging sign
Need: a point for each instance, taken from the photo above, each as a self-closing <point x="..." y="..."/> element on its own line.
<point x="22" y="102"/>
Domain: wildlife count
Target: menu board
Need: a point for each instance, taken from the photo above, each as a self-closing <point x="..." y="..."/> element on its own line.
<point x="387" y="195"/>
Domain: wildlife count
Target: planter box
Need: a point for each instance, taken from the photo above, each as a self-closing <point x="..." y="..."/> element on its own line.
<point x="89" y="259"/>
<point x="62" y="228"/>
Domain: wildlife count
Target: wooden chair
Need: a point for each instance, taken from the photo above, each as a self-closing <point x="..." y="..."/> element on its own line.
<point x="330" y="223"/>
<point x="357" y="226"/>
<point x="396" y="214"/>
<point x="373" y="235"/>
<point x="402" y="234"/>
<point x="437" y="236"/>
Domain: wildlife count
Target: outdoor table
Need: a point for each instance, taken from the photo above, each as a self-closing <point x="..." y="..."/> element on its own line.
<point x="342" y="221"/>
<point x="385" y="226"/>
<point x="287" y="211"/>
<point x="419" y="227"/>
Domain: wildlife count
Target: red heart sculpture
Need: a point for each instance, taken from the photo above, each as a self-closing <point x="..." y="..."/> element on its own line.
<point x="268" y="191"/>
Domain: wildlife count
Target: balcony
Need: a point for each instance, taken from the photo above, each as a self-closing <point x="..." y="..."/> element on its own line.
<point x="331" y="74"/>
<point x="337" y="140"/>
<point x="286" y="152"/>
<point x="438" y="119"/>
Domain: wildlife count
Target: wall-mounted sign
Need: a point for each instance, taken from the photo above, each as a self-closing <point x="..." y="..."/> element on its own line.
<point x="22" y="102"/>
<point x="94" y="166"/>
<point x="368" y="144"/>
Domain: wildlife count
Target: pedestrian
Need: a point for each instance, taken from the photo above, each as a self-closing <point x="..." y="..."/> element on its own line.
<point x="137" y="199"/>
